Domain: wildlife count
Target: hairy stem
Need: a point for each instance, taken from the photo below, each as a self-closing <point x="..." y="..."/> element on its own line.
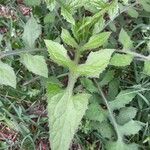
<point x="109" y="110"/>
<point x="19" y="52"/>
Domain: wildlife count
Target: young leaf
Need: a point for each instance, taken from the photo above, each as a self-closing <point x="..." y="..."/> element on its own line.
<point x="35" y="64"/>
<point x="123" y="98"/>
<point x="32" y="30"/>
<point x="7" y="75"/>
<point x="130" y="128"/>
<point x="66" y="12"/>
<point x="68" y="39"/>
<point x="58" y="53"/>
<point x="65" y="113"/>
<point x="146" y="68"/>
<point x="121" y="60"/>
<point x="113" y="10"/>
<point x="96" y="41"/>
<point x="125" y="40"/>
<point x="95" y="63"/>
<point x="126" y="114"/>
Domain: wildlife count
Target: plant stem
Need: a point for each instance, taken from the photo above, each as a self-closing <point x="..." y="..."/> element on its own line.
<point x="109" y="110"/>
<point x="19" y="52"/>
<point x="72" y="77"/>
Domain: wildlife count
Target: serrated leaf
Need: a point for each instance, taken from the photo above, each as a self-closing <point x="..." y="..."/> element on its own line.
<point x="130" y="128"/>
<point x="65" y="113"/>
<point x="123" y="98"/>
<point x="120" y="145"/>
<point x="96" y="41"/>
<point x="121" y="60"/>
<point x="7" y="75"/>
<point x="113" y="10"/>
<point x="146" y="69"/>
<point x="96" y="63"/>
<point x="35" y="64"/>
<point x="68" y="39"/>
<point x="66" y="12"/>
<point x="58" y="53"/>
<point x="125" y="40"/>
<point x="95" y="113"/>
<point x="32" y="30"/>
<point x="126" y="114"/>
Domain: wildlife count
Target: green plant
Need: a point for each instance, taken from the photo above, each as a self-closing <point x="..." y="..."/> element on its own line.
<point x="84" y="39"/>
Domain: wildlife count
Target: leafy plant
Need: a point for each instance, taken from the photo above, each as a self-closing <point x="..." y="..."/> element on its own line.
<point x="87" y="53"/>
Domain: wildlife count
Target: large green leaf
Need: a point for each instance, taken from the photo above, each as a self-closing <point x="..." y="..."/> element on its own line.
<point x="96" y="41"/>
<point x="65" y="113"/>
<point x="32" y="30"/>
<point x="68" y="39"/>
<point x="130" y="128"/>
<point x="7" y="75"/>
<point x="35" y="64"/>
<point x="95" y="63"/>
<point x="125" y="40"/>
<point x="58" y="53"/>
<point x="121" y="60"/>
<point x="123" y="98"/>
<point x="126" y="114"/>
